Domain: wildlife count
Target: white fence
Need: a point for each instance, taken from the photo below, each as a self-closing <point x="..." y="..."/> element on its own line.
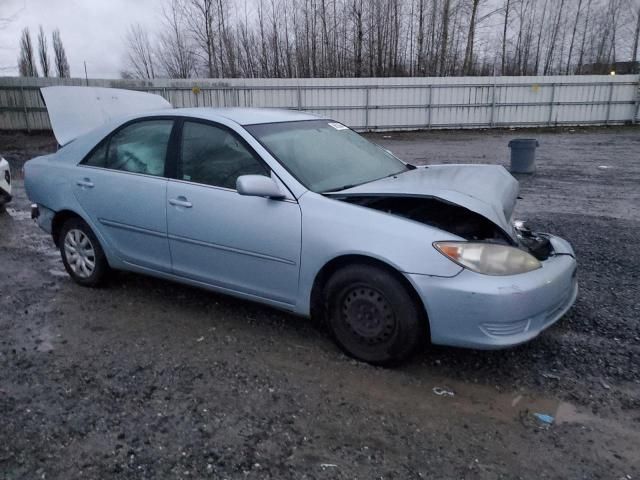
<point x="370" y="104"/>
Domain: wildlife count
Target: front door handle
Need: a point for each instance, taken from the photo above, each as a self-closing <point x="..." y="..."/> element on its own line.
<point x="180" y="202"/>
<point x="85" y="183"/>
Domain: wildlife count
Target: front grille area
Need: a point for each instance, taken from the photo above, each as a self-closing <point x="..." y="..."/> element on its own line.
<point x="504" y="329"/>
<point x="536" y="322"/>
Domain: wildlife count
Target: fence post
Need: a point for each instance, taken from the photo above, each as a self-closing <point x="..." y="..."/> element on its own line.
<point x="636" y="109"/>
<point x="429" y="108"/>
<point x="553" y="99"/>
<point x="606" y="122"/>
<point x="493" y="103"/>
<point x="366" y="109"/>
<point x="299" y="98"/>
<point x="24" y="108"/>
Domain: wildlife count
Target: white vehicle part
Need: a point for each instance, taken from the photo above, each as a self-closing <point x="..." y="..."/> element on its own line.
<point x="74" y="111"/>
<point x="5" y="181"/>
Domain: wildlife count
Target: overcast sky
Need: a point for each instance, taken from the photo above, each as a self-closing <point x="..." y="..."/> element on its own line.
<point x="91" y="30"/>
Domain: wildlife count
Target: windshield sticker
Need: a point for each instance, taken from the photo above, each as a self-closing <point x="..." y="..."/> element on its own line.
<point x="338" y="126"/>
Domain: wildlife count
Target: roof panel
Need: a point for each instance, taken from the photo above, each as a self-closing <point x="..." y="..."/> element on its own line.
<point x="247" y="116"/>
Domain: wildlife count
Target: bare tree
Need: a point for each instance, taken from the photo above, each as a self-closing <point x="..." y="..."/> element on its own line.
<point x="140" y="53"/>
<point x="247" y="45"/>
<point x="60" y="56"/>
<point x="584" y="37"/>
<point x="26" y="60"/>
<point x="468" y="54"/>
<point x="226" y="38"/>
<point x="43" y="52"/>
<point x="504" y="35"/>
<point x="176" y="53"/>
<point x="200" y="16"/>
<point x="315" y="38"/>
<point x="444" y="36"/>
<point x="573" y="35"/>
<point x="357" y="16"/>
<point x="554" y="36"/>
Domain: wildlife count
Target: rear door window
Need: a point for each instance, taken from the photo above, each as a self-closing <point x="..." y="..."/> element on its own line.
<point x="140" y="147"/>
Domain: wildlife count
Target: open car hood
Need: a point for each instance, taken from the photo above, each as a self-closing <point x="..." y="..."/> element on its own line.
<point x="488" y="190"/>
<point x="74" y="111"/>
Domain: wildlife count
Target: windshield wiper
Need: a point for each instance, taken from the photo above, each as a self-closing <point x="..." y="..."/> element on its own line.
<point x="351" y="185"/>
<point x="401" y="172"/>
<point x="344" y="187"/>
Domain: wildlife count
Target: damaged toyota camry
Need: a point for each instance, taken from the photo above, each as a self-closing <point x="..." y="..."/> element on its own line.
<point x="297" y="212"/>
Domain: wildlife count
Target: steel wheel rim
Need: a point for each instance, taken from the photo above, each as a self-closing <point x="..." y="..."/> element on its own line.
<point x="79" y="253"/>
<point x="368" y="315"/>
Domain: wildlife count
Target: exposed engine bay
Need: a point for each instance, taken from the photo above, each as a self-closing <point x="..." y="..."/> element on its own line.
<point x="537" y="244"/>
<point x="455" y="219"/>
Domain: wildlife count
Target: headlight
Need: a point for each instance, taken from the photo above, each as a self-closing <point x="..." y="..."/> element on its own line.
<point x="489" y="258"/>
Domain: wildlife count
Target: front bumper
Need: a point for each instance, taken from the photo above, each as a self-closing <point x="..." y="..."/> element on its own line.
<point x="489" y="312"/>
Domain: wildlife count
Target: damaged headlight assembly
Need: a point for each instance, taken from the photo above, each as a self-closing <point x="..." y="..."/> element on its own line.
<point x="488" y="258"/>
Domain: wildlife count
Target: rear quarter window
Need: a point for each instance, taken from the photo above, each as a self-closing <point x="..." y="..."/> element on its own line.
<point x="97" y="158"/>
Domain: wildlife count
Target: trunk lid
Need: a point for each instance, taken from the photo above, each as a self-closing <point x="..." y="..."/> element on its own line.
<point x="74" y="111"/>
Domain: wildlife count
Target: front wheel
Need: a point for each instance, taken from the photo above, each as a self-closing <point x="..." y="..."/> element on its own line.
<point x="372" y="315"/>
<point x="82" y="254"/>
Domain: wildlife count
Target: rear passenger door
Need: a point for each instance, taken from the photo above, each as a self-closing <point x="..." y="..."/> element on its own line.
<point x="122" y="186"/>
<point x="249" y="245"/>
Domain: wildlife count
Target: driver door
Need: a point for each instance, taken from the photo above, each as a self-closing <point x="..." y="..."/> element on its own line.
<point x="249" y="245"/>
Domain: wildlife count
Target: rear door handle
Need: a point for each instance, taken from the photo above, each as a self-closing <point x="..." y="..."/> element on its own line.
<point x="85" y="183"/>
<point x="180" y="202"/>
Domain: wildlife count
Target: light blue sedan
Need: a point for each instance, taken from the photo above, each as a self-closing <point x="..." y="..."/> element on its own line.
<point x="300" y="213"/>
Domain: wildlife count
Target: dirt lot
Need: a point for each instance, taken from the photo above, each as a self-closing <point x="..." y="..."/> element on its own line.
<point x="149" y="379"/>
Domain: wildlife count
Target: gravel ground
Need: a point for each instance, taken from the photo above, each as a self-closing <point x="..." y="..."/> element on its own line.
<point x="150" y="379"/>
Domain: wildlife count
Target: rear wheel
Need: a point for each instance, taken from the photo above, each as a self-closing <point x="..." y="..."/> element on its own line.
<point x="372" y="315"/>
<point x="82" y="254"/>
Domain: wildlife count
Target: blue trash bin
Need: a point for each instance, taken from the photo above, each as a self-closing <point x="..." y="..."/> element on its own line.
<point x="523" y="155"/>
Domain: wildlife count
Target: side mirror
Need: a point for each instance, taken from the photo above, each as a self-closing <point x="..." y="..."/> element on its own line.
<point x="258" y="186"/>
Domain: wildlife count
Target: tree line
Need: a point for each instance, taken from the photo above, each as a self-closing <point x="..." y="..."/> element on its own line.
<point x="376" y="38"/>
<point x="27" y="63"/>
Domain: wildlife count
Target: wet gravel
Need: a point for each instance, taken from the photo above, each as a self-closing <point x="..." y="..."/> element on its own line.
<point x="149" y="379"/>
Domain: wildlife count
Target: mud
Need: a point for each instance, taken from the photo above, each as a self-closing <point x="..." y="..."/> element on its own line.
<point x="150" y="379"/>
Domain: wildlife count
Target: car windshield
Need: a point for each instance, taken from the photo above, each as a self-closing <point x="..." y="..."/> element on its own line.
<point x="326" y="156"/>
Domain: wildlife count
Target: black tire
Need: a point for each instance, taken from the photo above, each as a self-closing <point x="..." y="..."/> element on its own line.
<point x="97" y="275"/>
<point x="372" y="316"/>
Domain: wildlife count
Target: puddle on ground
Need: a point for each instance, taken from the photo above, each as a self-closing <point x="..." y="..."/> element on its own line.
<point x="422" y="393"/>
<point x="522" y="406"/>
